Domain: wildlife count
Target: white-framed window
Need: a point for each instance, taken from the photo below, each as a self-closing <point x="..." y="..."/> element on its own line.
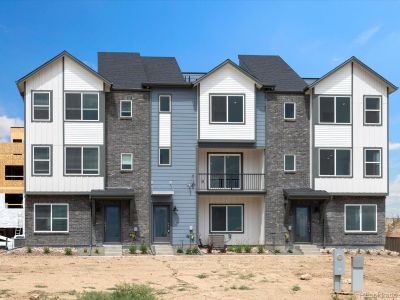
<point x="372" y="110"/>
<point x="126" y="161"/>
<point x="372" y="162"/>
<point x="125" y="109"/>
<point x="81" y="106"/>
<point x="164" y="103"/>
<point x="289" y="163"/>
<point x="227" y="109"/>
<point x="225" y="171"/>
<point x="360" y="218"/>
<point x="334" y="109"/>
<point x="41" y="106"/>
<point x="289" y="112"/>
<point x="164" y="156"/>
<point x="51" y="217"/>
<point x="41" y="160"/>
<point x="335" y="162"/>
<point x="82" y="160"/>
<point x="226" y="218"/>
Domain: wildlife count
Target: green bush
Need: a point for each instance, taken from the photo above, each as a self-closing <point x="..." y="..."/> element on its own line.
<point x="277" y="251"/>
<point x="122" y="292"/>
<point x="188" y="251"/>
<point x="239" y="249"/>
<point x="247" y="248"/>
<point x="231" y="248"/>
<point x="84" y="250"/>
<point x="296" y="288"/>
<point x="29" y="249"/>
<point x="46" y="250"/>
<point x="96" y="251"/>
<point x="195" y="250"/>
<point x="290" y="251"/>
<point x="260" y="249"/>
<point x="67" y="251"/>
<point x="143" y="248"/>
<point x="132" y="249"/>
<point x="179" y="250"/>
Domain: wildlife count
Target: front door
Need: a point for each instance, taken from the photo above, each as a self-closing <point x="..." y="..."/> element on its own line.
<point x="112" y="224"/>
<point x="161" y="223"/>
<point x="302" y="224"/>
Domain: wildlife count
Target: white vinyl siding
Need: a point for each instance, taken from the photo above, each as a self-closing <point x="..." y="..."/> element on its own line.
<point x="338" y="83"/>
<point x="84" y="133"/>
<point x="77" y="78"/>
<point x="164" y="127"/>
<point x="333" y="136"/>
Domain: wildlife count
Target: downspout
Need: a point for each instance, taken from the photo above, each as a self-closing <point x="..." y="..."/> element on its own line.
<point x="91" y="224"/>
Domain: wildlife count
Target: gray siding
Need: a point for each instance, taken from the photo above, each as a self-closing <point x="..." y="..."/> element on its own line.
<point x="260" y="119"/>
<point x="182" y="171"/>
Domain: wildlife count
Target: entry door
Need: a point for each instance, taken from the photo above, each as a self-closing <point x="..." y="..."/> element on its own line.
<point x="161" y="223"/>
<point x="112" y="224"/>
<point x="302" y="224"/>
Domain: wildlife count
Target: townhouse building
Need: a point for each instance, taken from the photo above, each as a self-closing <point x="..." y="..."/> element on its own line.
<point x="141" y="151"/>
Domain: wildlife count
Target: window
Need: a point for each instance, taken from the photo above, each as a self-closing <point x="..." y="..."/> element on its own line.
<point x="17" y="141"/>
<point x="51" y="217"/>
<point x="165" y="156"/>
<point x="290" y="163"/>
<point x="226" y="218"/>
<point x="41" y="160"/>
<point x="41" y="106"/>
<point x="125" y="109"/>
<point x="373" y="162"/>
<point x="334" y="110"/>
<point x="372" y="110"/>
<point x="360" y="218"/>
<point x="164" y="103"/>
<point x="126" y="161"/>
<point x="227" y="109"/>
<point x="290" y="111"/>
<point x="334" y="162"/>
<point x="14" y="201"/>
<point x="81" y="106"/>
<point x="81" y="160"/>
<point x="14" y="172"/>
<point x="225" y="171"/>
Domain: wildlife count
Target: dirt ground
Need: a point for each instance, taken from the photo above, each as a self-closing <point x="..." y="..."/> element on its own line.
<point x="191" y="277"/>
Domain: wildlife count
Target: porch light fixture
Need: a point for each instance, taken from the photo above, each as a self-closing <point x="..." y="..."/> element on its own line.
<point x="175" y="209"/>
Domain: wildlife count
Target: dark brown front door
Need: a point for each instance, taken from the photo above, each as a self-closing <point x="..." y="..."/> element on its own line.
<point x="302" y="227"/>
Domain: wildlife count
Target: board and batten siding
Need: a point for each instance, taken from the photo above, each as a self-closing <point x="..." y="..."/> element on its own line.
<point x="364" y="83"/>
<point x="180" y="176"/>
<point x="227" y="80"/>
<point x="51" y="133"/>
<point x="260" y="119"/>
<point x="253" y="218"/>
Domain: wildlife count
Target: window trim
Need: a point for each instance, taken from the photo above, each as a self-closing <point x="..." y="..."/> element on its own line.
<point x="365" y="110"/>
<point x="365" y="162"/>
<point x="240" y="155"/>
<point x="284" y="164"/>
<point x="120" y="109"/>
<point x="131" y="159"/>
<point x="49" y="160"/>
<point x="81" y="147"/>
<point x="226" y="214"/>
<point x="334" y="112"/>
<point x="159" y="157"/>
<point x="49" y="106"/>
<point x="361" y="220"/>
<point x="159" y="104"/>
<point x="211" y="95"/>
<point x="51" y="218"/>
<point x="284" y="111"/>
<point x="335" y="176"/>
<point x="81" y="93"/>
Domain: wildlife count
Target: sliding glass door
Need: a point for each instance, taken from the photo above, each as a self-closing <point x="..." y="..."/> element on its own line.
<point x="224" y="171"/>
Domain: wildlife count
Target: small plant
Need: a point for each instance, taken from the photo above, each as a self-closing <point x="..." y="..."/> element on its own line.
<point x="244" y="288"/>
<point x="46" y="250"/>
<point x="296" y="288"/>
<point x="68" y="251"/>
<point x="247" y="248"/>
<point x="195" y="250"/>
<point x="209" y="248"/>
<point x="368" y="252"/>
<point x="123" y="291"/>
<point x="389" y="253"/>
<point x="290" y="251"/>
<point x="132" y="249"/>
<point x="40" y="286"/>
<point x="188" y="251"/>
<point x="239" y="249"/>
<point x="96" y="251"/>
<point x="202" y="276"/>
<point x="277" y="251"/>
<point x="84" y="250"/>
<point x="231" y="248"/>
<point x="328" y="251"/>
<point x="179" y="250"/>
<point x="29" y="249"/>
<point x="260" y="249"/>
<point x="143" y="249"/>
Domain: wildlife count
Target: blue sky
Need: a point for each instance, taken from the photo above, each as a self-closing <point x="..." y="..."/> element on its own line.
<point x="313" y="37"/>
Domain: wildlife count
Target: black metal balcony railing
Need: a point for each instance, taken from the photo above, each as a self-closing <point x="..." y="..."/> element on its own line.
<point x="239" y="182"/>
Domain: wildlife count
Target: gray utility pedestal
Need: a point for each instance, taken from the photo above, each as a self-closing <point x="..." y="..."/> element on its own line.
<point x="339" y="267"/>
<point x="357" y="274"/>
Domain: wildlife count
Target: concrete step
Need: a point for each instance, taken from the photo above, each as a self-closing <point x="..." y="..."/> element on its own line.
<point x="164" y="249"/>
<point x="309" y="249"/>
<point x="113" y="250"/>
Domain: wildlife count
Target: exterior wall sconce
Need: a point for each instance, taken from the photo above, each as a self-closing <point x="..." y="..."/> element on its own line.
<point x="175" y="209"/>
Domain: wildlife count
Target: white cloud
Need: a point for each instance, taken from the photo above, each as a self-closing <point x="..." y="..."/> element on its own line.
<point x="5" y="124"/>
<point x="393" y="200"/>
<point x="366" y="35"/>
<point x="394" y="146"/>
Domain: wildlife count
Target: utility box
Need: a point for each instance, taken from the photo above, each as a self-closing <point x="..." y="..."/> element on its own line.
<point x="339" y="267"/>
<point x="357" y="274"/>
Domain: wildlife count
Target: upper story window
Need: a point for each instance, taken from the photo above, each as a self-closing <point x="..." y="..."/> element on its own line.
<point x="373" y="162"/>
<point x="14" y="172"/>
<point x="125" y="109"/>
<point x="289" y="113"/>
<point x="372" y="110"/>
<point x="41" y="106"/>
<point x="334" y="110"/>
<point x="81" y="106"/>
<point x="81" y="160"/>
<point x="360" y="217"/>
<point x="41" y="160"/>
<point x="164" y="158"/>
<point x="164" y="104"/>
<point x="290" y="163"/>
<point x="225" y="171"/>
<point x="126" y="162"/>
<point x="226" y="109"/>
<point x="17" y="141"/>
<point x="335" y="162"/>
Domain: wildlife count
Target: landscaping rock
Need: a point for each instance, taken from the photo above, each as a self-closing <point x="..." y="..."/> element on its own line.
<point x="305" y="276"/>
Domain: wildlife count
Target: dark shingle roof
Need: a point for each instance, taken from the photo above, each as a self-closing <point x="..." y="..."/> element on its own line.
<point x="130" y="70"/>
<point x="272" y="70"/>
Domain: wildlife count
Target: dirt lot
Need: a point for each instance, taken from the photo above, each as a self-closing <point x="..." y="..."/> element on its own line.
<point x="194" y="277"/>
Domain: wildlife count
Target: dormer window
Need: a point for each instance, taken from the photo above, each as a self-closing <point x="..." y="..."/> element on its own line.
<point x="227" y="109"/>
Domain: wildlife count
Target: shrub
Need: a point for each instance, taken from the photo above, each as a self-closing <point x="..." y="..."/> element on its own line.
<point x="231" y="248"/>
<point x="123" y="291"/>
<point x="46" y="250"/>
<point x="84" y="250"/>
<point x="132" y="249"/>
<point x="29" y="249"/>
<point x="368" y="252"/>
<point x="179" y="250"/>
<point x="195" y="250"/>
<point x="239" y="249"/>
<point x="296" y="288"/>
<point x="188" y="251"/>
<point x="277" y="251"/>
<point x="143" y="249"/>
<point x="96" y="251"/>
<point x="247" y="248"/>
<point x="260" y="249"/>
<point x="290" y="251"/>
<point x="202" y="276"/>
<point x="67" y="251"/>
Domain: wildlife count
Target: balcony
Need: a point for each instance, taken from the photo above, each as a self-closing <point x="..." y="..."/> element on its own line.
<point x="232" y="183"/>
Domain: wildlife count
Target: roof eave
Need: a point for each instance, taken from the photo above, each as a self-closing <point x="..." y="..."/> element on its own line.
<point x="159" y="84"/>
